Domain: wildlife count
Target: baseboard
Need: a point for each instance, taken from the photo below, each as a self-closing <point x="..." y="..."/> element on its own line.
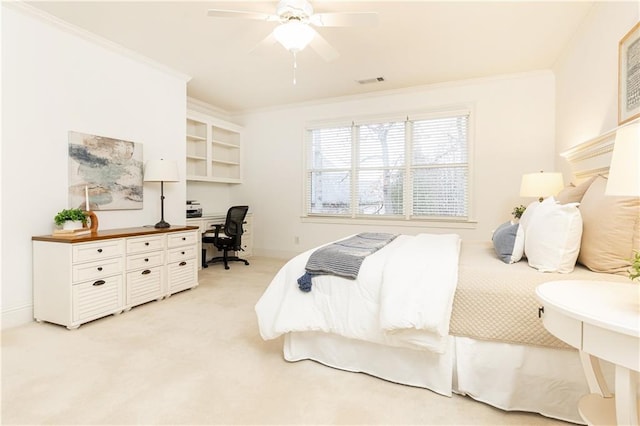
<point x="15" y="317"/>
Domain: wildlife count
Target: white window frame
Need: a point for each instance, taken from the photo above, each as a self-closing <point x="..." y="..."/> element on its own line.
<point x="468" y="222"/>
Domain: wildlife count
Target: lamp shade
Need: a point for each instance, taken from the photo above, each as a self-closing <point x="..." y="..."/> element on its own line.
<point x="624" y="171"/>
<point x="161" y="171"/>
<point x="293" y="35"/>
<point x="541" y="184"/>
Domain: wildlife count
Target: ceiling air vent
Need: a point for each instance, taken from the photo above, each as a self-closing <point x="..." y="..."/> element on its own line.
<point x="371" y="80"/>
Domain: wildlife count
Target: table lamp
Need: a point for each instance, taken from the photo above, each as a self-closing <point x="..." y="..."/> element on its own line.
<point x="161" y="171"/>
<point x="541" y="184"/>
<point x="624" y="171"/>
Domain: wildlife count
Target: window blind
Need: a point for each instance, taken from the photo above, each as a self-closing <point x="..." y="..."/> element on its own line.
<point x="390" y="168"/>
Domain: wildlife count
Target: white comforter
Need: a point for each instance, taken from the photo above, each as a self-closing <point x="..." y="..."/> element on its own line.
<point x="402" y="297"/>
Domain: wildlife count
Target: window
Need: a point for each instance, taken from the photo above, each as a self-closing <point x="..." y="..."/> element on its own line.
<point x="415" y="168"/>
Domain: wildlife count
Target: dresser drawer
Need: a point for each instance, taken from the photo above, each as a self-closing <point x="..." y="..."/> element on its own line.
<point x="95" y="299"/>
<point x="96" y="270"/>
<point x="146" y="243"/>
<point x="145" y="260"/>
<point x="181" y="253"/>
<point x="182" y="238"/>
<point x="144" y="285"/>
<point x="182" y="275"/>
<point x="567" y="329"/>
<point x="98" y="250"/>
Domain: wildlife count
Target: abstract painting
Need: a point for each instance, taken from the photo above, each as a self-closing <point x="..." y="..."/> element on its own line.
<point x="108" y="172"/>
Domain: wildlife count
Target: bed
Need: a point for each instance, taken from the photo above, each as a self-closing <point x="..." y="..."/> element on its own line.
<point x="481" y="336"/>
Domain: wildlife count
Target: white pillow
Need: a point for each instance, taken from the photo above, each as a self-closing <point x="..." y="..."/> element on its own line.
<point x="528" y="214"/>
<point x="552" y="237"/>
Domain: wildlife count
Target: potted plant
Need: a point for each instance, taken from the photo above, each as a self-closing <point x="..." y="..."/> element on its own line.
<point x="517" y="211"/>
<point x="71" y="218"/>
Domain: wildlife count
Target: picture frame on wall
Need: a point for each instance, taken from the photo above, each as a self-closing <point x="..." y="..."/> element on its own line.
<point x="105" y="173"/>
<point x="629" y="76"/>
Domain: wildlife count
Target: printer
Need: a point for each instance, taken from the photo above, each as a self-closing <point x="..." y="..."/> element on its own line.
<point x="193" y="209"/>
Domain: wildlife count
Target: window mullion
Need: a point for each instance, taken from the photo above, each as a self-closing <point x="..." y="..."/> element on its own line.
<point x="408" y="162"/>
<point x="355" y="134"/>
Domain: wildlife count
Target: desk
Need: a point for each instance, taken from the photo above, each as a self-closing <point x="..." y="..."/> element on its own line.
<point x="207" y="223"/>
<point x="602" y="320"/>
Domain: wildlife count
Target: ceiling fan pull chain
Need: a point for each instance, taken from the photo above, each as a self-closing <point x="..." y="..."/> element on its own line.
<point x="295" y="67"/>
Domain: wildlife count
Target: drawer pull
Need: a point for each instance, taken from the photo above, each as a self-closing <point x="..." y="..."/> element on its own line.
<point x="146" y="243"/>
<point x="182" y="263"/>
<point x="146" y="272"/>
<point x="146" y="260"/>
<point x="99" y="268"/>
<point x="99" y="282"/>
<point x="540" y="311"/>
<point x="182" y="252"/>
<point x="99" y="250"/>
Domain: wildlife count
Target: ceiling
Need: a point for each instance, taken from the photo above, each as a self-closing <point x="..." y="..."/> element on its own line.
<point x="415" y="43"/>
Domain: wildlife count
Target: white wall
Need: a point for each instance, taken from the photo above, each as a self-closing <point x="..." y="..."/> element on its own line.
<point x="514" y="133"/>
<point x="587" y="76"/>
<point x="55" y="80"/>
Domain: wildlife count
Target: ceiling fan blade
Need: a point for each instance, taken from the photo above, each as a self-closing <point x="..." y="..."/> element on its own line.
<point x="220" y="13"/>
<point x="346" y="19"/>
<point x="262" y="45"/>
<point x="323" y="48"/>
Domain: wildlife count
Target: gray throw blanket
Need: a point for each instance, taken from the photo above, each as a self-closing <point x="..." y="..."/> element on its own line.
<point x="343" y="258"/>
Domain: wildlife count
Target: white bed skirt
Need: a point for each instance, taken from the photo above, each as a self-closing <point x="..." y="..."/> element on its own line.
<point x="510" y="377"/>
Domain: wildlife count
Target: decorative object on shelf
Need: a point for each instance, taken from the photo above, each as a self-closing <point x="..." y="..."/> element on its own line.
<point x="161" y="171"/>
<point x="517" y="211"/>
<point x="624" y="173"/>
<point x="629" y="76"/>
<point x="93" y="222"/>
<point x="70" y="219"/>
<point x="541" y="184"/>
<point x="104" y="173"/>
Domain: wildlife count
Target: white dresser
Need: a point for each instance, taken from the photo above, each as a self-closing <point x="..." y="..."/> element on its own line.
<point x="87" y="277"/>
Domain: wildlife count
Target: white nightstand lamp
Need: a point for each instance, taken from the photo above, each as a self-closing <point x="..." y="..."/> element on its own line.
<point x="541" y="185"/>
<point x="161" y="171"/>
<point x="624" y="172"/>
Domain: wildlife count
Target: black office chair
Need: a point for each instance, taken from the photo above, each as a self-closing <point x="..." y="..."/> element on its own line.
<point x="229" y="240"/>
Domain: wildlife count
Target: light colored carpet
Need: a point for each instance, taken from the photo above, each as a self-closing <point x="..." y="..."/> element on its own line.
<point x="197" y="358"/>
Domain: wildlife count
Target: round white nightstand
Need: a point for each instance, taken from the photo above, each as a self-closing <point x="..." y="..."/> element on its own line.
<point x="602" y="320"/>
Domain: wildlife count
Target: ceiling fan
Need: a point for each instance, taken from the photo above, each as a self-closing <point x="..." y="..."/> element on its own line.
<point x="296" y="18"/>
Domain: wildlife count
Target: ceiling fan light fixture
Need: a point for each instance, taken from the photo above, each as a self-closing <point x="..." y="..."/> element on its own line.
<point x="293" y="35"/>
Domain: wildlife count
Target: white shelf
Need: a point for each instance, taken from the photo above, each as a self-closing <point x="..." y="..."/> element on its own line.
<point x="226" y="144"/>
<point x="231" y="163"/>
<point x="213" y="149"/>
